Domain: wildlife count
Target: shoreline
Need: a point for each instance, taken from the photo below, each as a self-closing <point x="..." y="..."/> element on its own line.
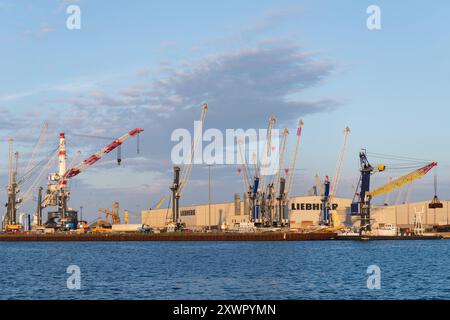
<point x="268" y="236"/>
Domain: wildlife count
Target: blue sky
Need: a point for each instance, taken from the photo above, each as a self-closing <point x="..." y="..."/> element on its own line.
<point x="389" y="86"/>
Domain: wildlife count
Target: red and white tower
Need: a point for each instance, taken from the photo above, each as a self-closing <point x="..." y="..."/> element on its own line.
<point x="62" y="160"/>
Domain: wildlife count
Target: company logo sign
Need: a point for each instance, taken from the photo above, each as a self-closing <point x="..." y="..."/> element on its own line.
<point x="311" y="206"/>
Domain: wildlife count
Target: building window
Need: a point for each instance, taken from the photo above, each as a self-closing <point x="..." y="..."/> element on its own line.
<point x="185" y="213"/>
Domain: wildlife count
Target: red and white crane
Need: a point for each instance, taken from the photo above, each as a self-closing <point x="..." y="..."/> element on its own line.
<point x="96" y="156"/>
<point x="57" y="189"/>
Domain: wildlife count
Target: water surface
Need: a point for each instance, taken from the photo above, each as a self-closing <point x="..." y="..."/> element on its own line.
<point x="226" y="270"/>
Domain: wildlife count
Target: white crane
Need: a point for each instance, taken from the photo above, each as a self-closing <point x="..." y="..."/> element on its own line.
<point x="292" y="167"/>
<point x="186" y="171"/>
<point x="266" y="154"/>
<point x="340" y="160"/>
<point x="41" y="140"/>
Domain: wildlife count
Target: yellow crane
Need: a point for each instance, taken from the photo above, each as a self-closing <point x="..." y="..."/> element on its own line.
<point x="363" y="197"/>
<point x="114" y="213"/>
<point x="160" y="202"/>
<point x="400" y="182"/>
<point x="158" y="205"/>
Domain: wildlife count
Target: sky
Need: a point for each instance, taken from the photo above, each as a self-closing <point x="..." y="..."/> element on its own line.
<point x="151" y="64"/>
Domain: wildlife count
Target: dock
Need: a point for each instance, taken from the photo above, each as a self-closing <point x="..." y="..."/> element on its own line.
<point x="213" y="236"/>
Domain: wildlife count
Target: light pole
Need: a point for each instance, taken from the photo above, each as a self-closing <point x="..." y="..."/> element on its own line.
<point x="209" y="197"/>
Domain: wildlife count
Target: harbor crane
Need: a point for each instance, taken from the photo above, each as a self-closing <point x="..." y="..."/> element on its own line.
<point x="331" y="187"/>
<point x="278" y="182"/>
<point x="181" y="176"/>
<point x="263" y="209"/>
<point x="289" y="181"/>
<point x="14" y="202"/>
<point x="361" y="204"/>
<point x="57" y="190"/>
<point x="319" y="185"/>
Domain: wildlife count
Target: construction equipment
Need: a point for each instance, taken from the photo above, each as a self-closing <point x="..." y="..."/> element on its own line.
<point x="119" y="148"/>
<point x="10" y="222"/>
<point x="290" y="173"/>
<point x="360" y="205"/>
<point x="181" y="176"/>
<point x="127" y="214"/>
<point x="246" y="178"/>
<point x="114" y="213"/>
<point x="15" y="183"/>
<point x="362" y="200"/>
<point x="331" y="187"/>
<point x="102" y="226"/>
<point x="58" y="191"/>
<point x="276" y="184"/>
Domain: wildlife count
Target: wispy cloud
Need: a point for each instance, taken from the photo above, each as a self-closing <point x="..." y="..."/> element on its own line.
<point x="271" y="19"/>
<point x="40" y="33"/>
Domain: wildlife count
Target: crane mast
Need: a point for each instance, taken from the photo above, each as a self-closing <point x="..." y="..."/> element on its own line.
<point x="11" y="205"/>
<point x="245" y="176"/>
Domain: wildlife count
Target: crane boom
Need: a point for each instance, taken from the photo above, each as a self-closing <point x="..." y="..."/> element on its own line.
<point x="266" y="151"/>
<point x="337" y="174"/>
<point x="42" y="137"/>
<point x="100" y="154"/>
<point x="291" y="170"/>
<point x="160" y="202"/>
<point x="281" y="159"/>
<point x="399" y="182"/>
<point x="245" y="174"/>
<point x="319" y="185"/>
<point x="186" y="172"/>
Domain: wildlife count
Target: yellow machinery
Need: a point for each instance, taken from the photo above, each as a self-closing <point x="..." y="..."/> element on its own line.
<point x="158" y="205"/>
<point x="128" y="215"/>
<point x="400" y="182"/>
<point x="160" y="202"/>
<point x="114" y="213"/>
<point x="361" y="205"/>
<point x="13" y="228"/>
<point x="101" y="226"/>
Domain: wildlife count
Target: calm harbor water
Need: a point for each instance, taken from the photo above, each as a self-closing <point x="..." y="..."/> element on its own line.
<point x="226" y="270"/>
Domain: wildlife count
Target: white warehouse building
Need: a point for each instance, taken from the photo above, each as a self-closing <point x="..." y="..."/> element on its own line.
<point x="304" y="211"/>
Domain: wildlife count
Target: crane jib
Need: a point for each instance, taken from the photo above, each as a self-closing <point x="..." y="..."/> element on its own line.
<point x="399" y="182"/>
<point x="97" y="156"/>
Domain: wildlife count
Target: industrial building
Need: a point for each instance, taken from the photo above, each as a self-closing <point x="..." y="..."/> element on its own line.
<point x="304" y="212"/>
